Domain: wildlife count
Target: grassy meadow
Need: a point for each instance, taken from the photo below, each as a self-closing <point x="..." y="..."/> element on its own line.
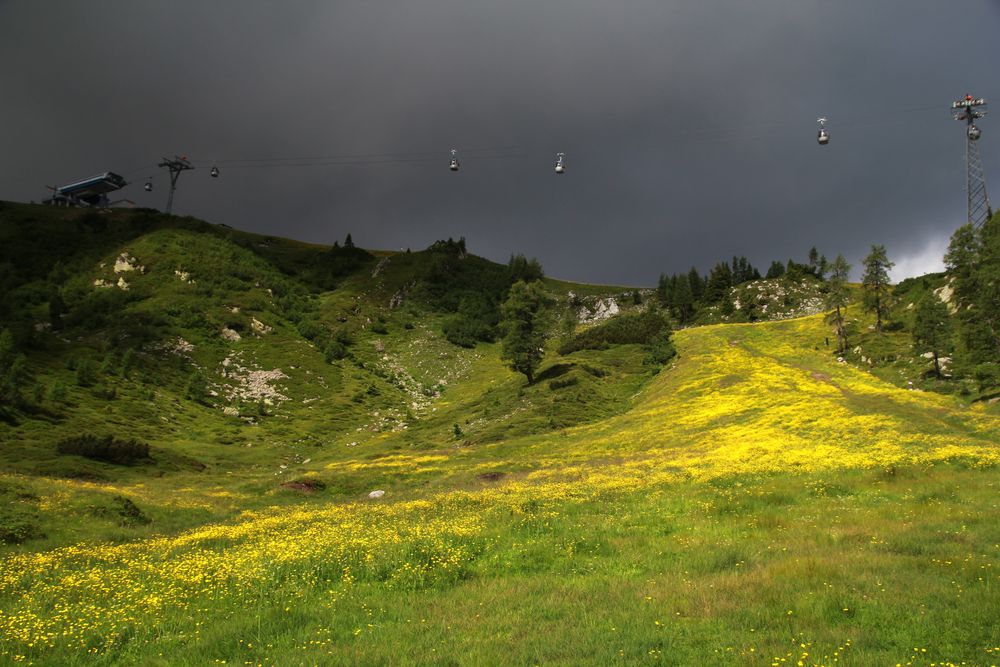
<point x="758" y="504"/>
<point x="753" y="502"/>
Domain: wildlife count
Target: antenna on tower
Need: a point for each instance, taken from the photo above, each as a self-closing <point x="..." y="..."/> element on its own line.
<point x="971" y="109"/>
<point x="175" y="167"/>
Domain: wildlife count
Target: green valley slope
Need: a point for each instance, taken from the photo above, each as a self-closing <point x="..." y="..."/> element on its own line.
<point x="756" y="502"/>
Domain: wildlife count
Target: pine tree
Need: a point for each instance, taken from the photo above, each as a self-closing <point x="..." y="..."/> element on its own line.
<point x="720" y="279"/>
<point x="661" y="290"/>
<point x="837" y="298"/>
<point x="696" y="284"/>
<point x="875" y="282"/>
<point x="961" y="261"/>
<point x="524" y="319"/>
<point x="930" y="327"/>
<point x="683" y="300"/>
<point x="776" y="270"/>
<point x="520" y="267"/>
<point x="973" y="262"/>
<point x="348" y="242"/>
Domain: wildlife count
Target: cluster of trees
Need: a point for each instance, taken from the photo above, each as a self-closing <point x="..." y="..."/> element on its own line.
<point x="472" y="289"/>
<point x="685" y="294"/>
<point x="330" y="267"/>
<point x="875" y="290"/>
<point x="973" y="262"/>
<point x="526" y="319"/>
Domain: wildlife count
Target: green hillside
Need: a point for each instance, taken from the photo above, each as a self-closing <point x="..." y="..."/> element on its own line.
<point x="754" y="500"/>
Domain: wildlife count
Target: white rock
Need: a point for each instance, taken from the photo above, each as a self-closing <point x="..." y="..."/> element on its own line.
<point x="376" y="494"/>
<point x="122" y="285"/>
<point x="125" y="263"/>
<point x="230" y="334"/>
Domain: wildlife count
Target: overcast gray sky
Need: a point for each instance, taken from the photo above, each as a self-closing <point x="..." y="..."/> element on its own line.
<point x="688" y="125"/>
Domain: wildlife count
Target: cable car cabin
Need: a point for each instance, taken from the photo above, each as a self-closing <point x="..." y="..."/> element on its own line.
<point x="214" y="172"/>
<point x="454" y="164"/>
<point x="91" y="191"/>
<point x="823" y="138"/>
<point x="560" y="167"/>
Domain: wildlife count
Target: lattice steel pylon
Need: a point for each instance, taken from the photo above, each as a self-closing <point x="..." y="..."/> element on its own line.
<point x="971" y="109"/>
<point x="175" y="167"/>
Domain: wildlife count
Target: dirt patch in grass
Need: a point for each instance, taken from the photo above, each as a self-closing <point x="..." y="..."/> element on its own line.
<point x="305" y="485"/>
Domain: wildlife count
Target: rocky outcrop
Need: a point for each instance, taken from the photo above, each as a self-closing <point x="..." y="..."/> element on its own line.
<point x="602" y="310"/>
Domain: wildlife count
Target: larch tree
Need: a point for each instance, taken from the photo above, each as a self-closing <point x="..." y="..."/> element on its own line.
<point x="875" y="282"/>
<point x="837" y="298"/>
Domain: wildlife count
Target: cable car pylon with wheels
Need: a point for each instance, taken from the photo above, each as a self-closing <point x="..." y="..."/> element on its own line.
<point x="823" y="138"/>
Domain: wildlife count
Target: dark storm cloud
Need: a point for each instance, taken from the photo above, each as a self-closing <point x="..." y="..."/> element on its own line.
<point x="689" y="127"/>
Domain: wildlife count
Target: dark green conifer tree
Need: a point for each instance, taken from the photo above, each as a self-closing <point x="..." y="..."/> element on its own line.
<point x="930" y="328"/>
<point x="524" y="321"/>
<point x="875" y="282"/>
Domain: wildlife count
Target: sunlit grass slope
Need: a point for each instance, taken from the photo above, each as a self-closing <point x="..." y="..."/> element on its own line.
<point x="757" y="504"/>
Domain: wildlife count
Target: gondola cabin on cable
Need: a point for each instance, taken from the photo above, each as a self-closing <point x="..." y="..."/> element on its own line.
<point x="823" y="138"/>
<point x="560" y="165"/>
<point x="454" y="160"/>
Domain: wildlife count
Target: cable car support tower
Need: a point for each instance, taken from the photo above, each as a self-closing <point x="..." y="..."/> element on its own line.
<point x="970" y="109"/>
<point x="176" y="166"/>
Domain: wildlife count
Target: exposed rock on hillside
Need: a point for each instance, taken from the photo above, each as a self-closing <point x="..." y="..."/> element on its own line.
<point x="765" y="300"/>
<point x="251" y="384"/>
<point x="126" y="262"/>
<point x="601" y="310"/>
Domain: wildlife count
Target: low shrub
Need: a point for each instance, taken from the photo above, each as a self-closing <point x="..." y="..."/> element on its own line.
<point x="564" y="382"/>
<point x="641" y="328"/>
<point x="123" y="511"/>
<point x="107" y="449"/>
